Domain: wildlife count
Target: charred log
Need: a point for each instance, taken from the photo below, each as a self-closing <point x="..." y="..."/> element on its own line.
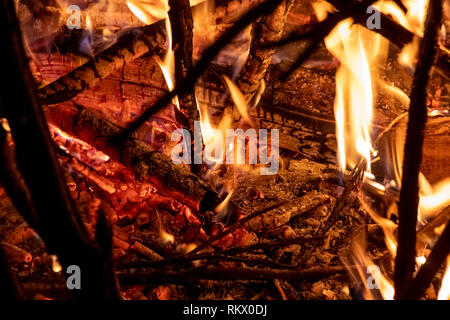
<point x="145" y="162"/>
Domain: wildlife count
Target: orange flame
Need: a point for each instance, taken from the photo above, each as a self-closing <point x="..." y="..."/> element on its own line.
<point x="444" y="292"/>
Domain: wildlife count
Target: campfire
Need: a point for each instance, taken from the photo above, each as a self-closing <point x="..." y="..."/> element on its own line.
<point x="225" y="150"/>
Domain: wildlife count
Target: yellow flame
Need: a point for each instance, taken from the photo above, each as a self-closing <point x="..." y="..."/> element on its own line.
<point x="89" y="24"/>
<point x="224" y="204"/>
<point x="433" y="199"/>
<point x="167" y="65"/>
<point x="413" y="20"/>
<point x="408" y="53"/>
<point x="444" y="292"/>
<point x="421" y="260"/>
<point x="56" y="266"/>
<point x="394" y="91"/>
<point x="238" y="98"/>
<point x="321" y="9"/>
<point x="166" y="237"/>
<point x="358" y="51"/>
<point x="148" y="11"/>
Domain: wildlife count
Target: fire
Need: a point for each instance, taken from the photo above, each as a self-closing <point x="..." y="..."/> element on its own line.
<point x="444" y="292"/>
<point x="167" y="65"/>
<point x="148" y="11"/>
<point x="321" y="9"/>
<point x="166" y="237"/>
<point x="56" y="266"/>
<point x="408" y="54"/>
<point x="433" y="199"/>
<point x="413" y="20"/>
<point x="238" y="98"/>
<point x="358" y="51"/>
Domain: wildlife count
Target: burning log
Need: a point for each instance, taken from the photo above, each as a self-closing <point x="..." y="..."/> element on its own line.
<point x="131" y="45"/>
<point x="145" y="162"/>
<point x="209" y="54"/>
<point x="89" y="173"/>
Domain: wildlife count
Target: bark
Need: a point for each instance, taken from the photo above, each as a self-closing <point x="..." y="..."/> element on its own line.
<point x="268" y="30"/>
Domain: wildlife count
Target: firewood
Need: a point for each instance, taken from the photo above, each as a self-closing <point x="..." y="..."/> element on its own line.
<point x="268" y="29"/>
<point x="146" y="163"/>
<point x="131" y="45"/>
<point x="427" y="232"/>
<point x="89" y="173"/>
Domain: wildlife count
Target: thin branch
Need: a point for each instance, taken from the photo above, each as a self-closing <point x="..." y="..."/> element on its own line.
<point x="223" y="254"/>
<point x="408" y="203"/>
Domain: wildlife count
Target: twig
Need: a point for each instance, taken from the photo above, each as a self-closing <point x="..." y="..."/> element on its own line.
<point x="222" y="254"/>
<point x="408" y="203"/>
<point x="220" y="273"/>
<point x="427" y="231"/>
<point x="209" y="54"/>
<point x="280" y="290"/>
<point x="352" y="182"/>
